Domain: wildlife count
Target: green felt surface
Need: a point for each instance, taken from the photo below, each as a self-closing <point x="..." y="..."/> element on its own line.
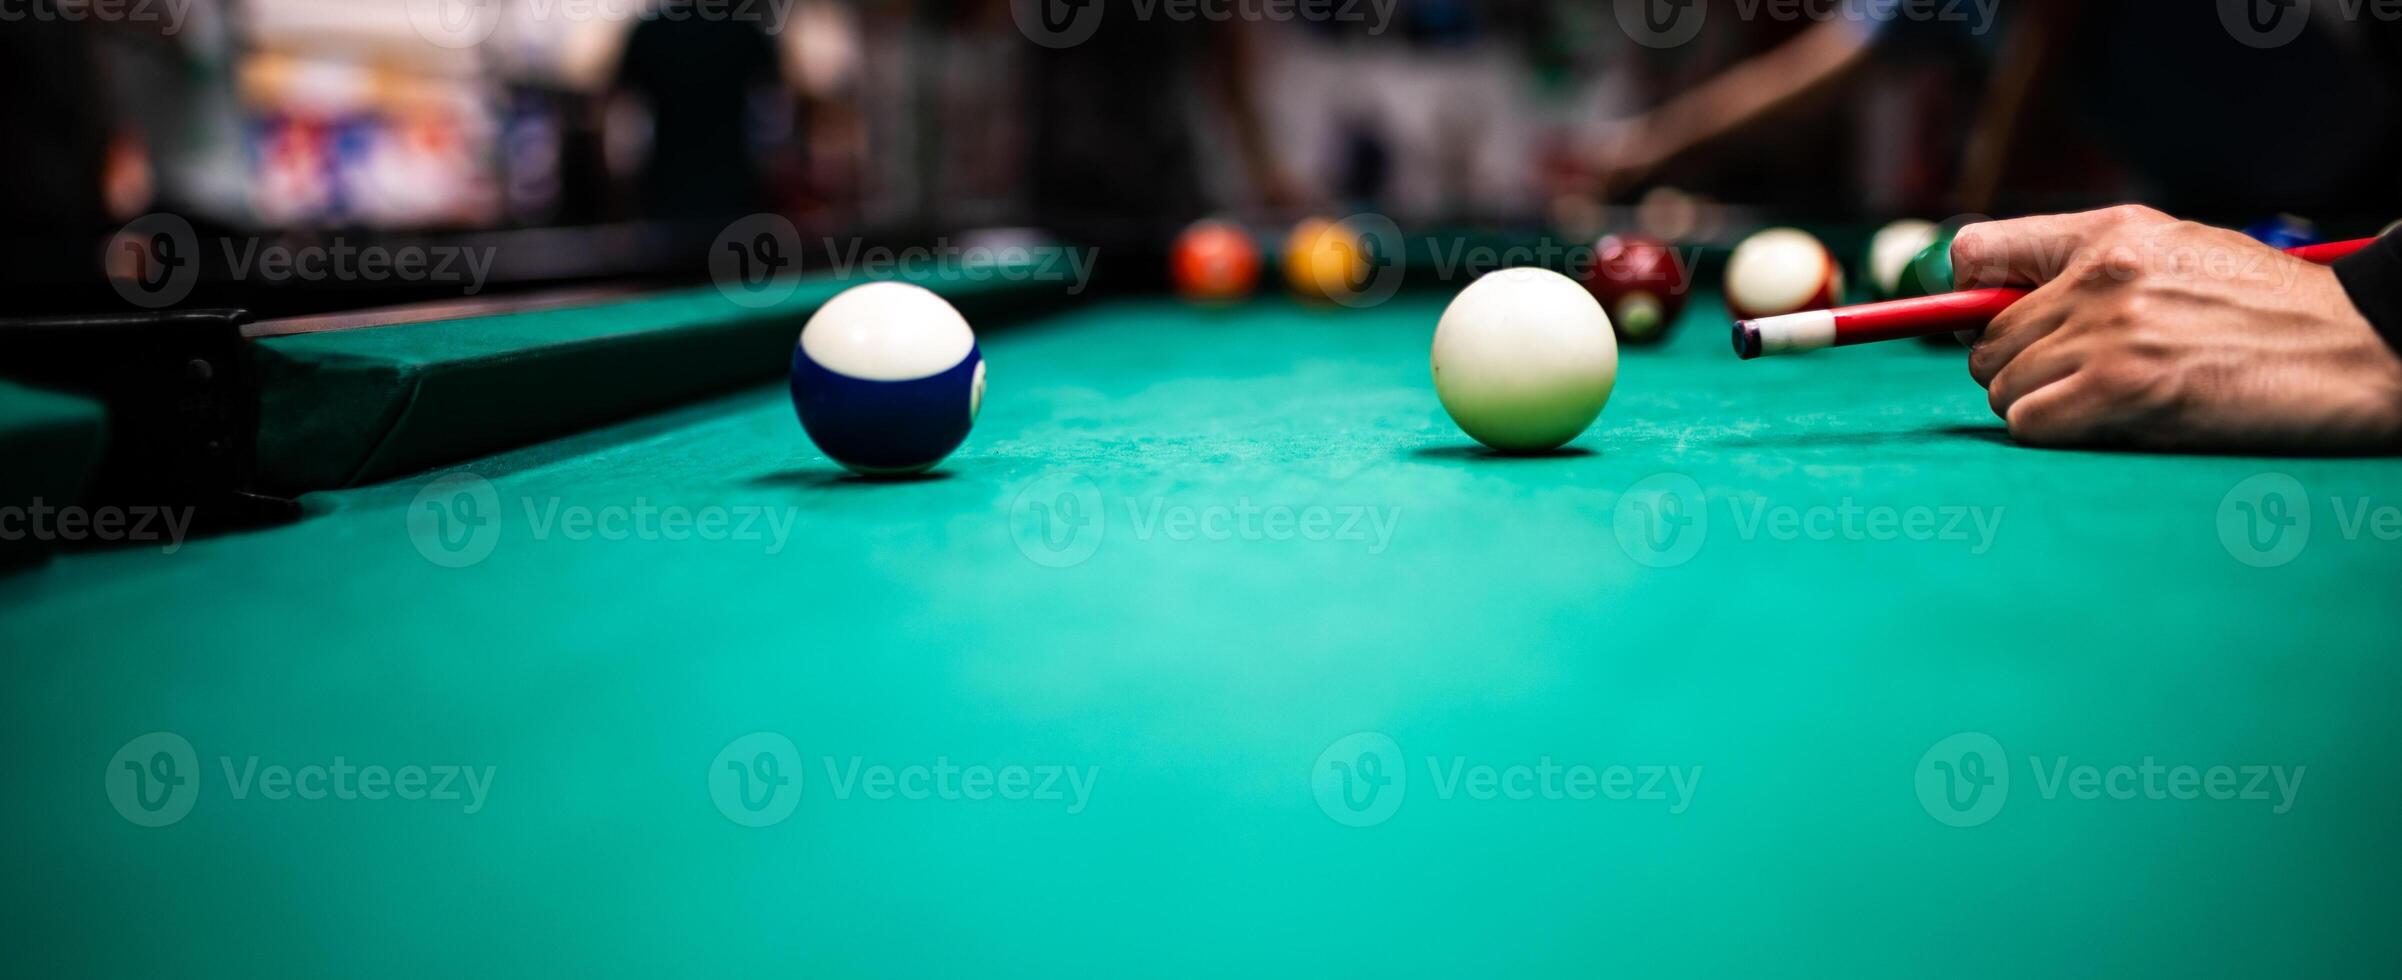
<point x="1198" y="675"/>
<point x="49" y="440"/>
<point x="49" y="444"/>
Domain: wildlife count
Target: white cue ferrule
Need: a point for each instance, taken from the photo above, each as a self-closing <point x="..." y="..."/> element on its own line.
<point x="1794" y="333"/>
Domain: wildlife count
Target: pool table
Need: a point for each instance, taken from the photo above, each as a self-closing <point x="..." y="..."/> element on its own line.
<point x="1218" y="650"/>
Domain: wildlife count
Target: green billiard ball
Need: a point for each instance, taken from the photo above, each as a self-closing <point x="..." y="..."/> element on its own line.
<point x="1930" y="271"/>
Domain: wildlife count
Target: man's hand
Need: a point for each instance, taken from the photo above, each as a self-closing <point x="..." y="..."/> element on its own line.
<point x="2162" y="334"/>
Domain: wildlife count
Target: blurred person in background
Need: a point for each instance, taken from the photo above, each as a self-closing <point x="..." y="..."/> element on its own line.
<point x="1113" y="156"/>
<point x="65" y="147"/>
<point x="700" y="72"/>
<point x="2197" y="118"/>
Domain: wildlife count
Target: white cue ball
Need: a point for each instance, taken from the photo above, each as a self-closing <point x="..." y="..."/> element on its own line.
<point x="1781" y="270"/>
<point x="1524" y="359"/>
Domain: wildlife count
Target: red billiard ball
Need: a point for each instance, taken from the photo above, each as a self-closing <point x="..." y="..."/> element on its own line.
<point x="1214" y="262"/>
<point x="1781" y="270"/>
<point x="1641" y="282"/>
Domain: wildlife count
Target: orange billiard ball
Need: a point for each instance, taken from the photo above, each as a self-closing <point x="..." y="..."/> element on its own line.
<point x="1214" y="262"/>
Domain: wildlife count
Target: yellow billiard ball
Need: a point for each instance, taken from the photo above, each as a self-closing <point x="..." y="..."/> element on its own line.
<point x="1325" y="259"/>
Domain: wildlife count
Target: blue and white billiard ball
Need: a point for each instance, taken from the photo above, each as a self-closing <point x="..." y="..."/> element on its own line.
<point x="887" y="379"/>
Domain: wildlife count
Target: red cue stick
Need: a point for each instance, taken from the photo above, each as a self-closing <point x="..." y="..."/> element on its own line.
<point x="1922" y="316"/>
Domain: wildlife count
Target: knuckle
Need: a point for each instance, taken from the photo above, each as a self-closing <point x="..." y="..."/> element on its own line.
<point x="2147" y="344"/>
<point x="2111" y="381"/>
<point x="1981" y="363"/>
<point x="2129" y="383"/>
<point x="1972" y="244"/>
<point x="2134" y="214"/>
<point x="2133" y="309"/>
<point x="2118" y="263"/>
<point x="2030" y="427"/>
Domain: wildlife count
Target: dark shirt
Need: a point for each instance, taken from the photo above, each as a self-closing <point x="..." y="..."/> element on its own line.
<point x="55" y="125"/>
<point x="2373" y="277"/>
<point x="699" y="76"/>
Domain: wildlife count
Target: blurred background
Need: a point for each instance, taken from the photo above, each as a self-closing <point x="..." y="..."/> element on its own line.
<point x="600" y="139"/>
